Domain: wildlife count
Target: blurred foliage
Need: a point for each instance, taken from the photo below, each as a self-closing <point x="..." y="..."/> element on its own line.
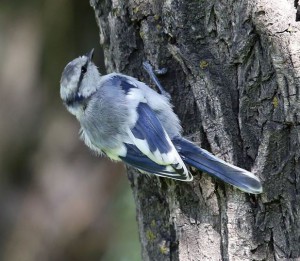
<point x="58" y="201"/>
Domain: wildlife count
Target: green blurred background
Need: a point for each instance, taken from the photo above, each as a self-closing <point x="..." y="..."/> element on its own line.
<point x="58" y="201"/>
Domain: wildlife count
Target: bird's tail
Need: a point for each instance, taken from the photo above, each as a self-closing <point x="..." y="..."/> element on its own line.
<point x="205" y="161"/>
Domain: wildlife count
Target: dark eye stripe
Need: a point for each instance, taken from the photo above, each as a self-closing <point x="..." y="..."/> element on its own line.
<point x="77" y="97"/>
<point x="83" y="69"/>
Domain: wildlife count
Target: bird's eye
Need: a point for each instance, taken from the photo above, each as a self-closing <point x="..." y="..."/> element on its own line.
<point x="83" y="69"/>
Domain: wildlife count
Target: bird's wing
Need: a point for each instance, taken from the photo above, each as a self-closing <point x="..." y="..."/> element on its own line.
<point x="150" y="138"/>
<point x="155" y="152"/>
<point x="137" y="159"/>
<point x="148" y="146"/>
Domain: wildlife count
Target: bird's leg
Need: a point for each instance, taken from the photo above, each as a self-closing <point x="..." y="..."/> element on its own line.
<point x="148" y="68"/>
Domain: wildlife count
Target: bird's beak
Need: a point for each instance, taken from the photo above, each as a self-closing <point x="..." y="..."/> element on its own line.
<point x="90" y="54"/>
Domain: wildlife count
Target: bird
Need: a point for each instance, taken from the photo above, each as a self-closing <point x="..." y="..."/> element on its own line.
<point x="126" y="120"/>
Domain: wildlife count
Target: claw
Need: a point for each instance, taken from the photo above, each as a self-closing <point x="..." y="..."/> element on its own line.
<point x="148" y="68"/>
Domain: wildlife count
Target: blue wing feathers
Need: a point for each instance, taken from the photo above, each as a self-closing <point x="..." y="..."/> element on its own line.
<point x="126" y="85"/>
<point x="149" y="128"/>
<point x="122" y="82"/>
<point x="160" y="155"/>
<point x="137" y="159"/>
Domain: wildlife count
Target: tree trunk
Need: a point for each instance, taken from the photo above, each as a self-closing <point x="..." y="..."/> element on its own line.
<point x="233" y="74"/>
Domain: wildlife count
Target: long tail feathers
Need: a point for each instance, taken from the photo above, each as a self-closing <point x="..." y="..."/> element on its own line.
<point x="205" y="161"/>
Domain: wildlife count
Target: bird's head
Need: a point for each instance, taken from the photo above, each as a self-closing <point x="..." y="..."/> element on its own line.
<point x="79" y="81"/>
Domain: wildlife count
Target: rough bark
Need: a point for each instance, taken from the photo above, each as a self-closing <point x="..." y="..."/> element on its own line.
<point x="233" y="74"/>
